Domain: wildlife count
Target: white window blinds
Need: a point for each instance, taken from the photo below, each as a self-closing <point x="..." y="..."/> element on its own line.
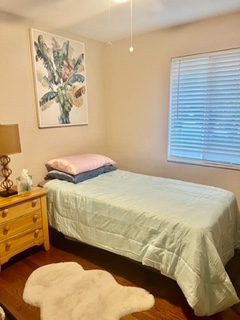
<point x="204" y="121"/>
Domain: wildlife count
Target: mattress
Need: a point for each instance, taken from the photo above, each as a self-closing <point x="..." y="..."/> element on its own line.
<point x="186" y="231"/>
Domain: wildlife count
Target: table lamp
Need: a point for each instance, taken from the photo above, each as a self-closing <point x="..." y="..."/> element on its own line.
<point x="9" y="144"/>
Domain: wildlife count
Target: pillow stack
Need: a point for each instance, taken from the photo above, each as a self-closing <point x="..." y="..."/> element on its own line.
<point x="78" y="168"/>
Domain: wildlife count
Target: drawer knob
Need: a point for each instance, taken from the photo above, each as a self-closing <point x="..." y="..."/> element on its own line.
<point x="36" y="233"/>
<point x="34" y="202"/>
<point x="35" y="217"/>
<point x="4" y="213"/>
<point x="6" y="229"/>
<point x="8" y="246"/>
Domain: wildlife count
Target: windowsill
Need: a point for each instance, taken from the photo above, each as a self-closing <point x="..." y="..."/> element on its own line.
<point x="204" y="164"/>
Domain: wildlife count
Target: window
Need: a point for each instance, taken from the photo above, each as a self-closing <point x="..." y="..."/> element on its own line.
<point x="204" y="121"/>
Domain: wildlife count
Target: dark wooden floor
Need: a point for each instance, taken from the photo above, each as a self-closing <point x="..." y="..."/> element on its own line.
<point x="170" y="303"/>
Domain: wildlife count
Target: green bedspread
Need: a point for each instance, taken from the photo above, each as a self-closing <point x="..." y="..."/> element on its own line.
<point x="187" y="231"/>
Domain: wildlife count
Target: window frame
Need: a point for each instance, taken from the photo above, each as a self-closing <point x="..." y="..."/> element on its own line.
<point x="184" y="160"/>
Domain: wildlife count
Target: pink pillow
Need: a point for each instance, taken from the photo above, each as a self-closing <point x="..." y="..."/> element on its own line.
<point x="79" y="163"/>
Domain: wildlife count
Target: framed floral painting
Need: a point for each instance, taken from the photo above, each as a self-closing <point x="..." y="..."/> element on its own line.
<point x="60" y="80"/>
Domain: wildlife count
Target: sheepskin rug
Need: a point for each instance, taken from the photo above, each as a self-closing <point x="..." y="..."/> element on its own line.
<point x="66" y="291"/>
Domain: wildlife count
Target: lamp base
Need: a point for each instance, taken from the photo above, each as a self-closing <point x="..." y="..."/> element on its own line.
<point x="6" y="184"/>
<point x="8" y="193"/>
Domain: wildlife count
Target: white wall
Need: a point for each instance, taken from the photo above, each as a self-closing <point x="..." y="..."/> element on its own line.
<point x="138" y="98"/>
<point x="128" y="97"/>
<point x="18" y="104"/>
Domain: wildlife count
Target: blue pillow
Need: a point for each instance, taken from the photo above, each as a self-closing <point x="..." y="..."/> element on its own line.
<point x="55" y="174"/>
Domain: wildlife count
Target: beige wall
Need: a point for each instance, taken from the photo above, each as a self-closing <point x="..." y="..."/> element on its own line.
<point x="132" y="118"/>
<point x="138" y="98"/>
<point x="17" y="100"/>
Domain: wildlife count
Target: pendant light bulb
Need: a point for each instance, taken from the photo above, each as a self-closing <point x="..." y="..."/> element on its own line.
<point x="131" y="49"/>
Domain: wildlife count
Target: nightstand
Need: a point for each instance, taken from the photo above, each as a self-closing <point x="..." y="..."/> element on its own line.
<point x="23" y="223"/>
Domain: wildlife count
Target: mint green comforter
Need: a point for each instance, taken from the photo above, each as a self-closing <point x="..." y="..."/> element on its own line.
<point x="187" y="231"/>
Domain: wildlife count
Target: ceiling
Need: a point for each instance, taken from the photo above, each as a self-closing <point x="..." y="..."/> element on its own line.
<point x="105" y="20"/>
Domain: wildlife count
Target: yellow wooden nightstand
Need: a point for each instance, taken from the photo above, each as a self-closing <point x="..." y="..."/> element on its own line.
<point x="23" y="223"/>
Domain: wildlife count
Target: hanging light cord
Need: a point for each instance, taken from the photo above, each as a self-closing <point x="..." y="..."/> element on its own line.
<point x="109" y="42"/>
<point x="131" y="49"/>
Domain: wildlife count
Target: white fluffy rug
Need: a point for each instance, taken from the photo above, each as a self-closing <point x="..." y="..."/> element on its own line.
<point x="66" y="291"/>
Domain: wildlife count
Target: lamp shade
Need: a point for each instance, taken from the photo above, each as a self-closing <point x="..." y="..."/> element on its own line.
<point x="9" y="139"/>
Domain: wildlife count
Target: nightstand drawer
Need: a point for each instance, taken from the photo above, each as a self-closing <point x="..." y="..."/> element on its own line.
<point x="18" y="210"/>
<point x="15" y="245"/>
<point x="14" y="227"/>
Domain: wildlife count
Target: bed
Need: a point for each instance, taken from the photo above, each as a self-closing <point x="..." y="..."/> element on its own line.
<point x="186" y="231"/>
